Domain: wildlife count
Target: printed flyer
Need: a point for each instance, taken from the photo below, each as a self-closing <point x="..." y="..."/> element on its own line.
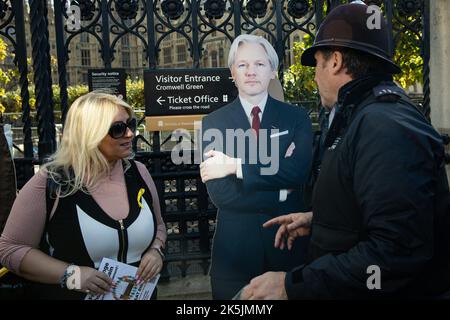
<point x="125" y="287"/>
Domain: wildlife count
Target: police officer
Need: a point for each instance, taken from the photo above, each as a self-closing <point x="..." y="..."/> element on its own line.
<point x="373" y="203"/>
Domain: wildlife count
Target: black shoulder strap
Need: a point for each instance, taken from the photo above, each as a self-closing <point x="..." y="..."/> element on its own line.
<point x="51" y="193"/>
<point x="443" y="194"/>
<point x="135" y="172"/>
<point x="387" y="92"/>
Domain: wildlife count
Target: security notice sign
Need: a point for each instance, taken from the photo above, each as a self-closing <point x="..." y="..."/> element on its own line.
<point x="111" y="81"/>
<point x="180" y="92"/>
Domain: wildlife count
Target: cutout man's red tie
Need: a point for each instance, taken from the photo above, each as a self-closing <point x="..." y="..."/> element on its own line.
<point x="256" y="123"/>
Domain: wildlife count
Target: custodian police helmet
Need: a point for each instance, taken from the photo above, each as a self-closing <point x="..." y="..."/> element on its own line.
<point x="353" y="26"/>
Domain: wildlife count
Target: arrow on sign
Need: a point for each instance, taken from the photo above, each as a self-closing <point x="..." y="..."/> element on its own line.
<point x="159" y="101"/>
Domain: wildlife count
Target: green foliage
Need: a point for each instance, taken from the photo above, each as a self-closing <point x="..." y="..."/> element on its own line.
<point x="73" y="92"/>
<point x="4" y="79"/>
<point x="299" y="82"/>
<point x="408" y="58"/>
<point x="135" y="93"/>
<point x="11" y="101"/>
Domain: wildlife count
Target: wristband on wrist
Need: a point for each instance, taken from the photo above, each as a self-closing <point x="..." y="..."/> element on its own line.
<point x="67" y="273"/>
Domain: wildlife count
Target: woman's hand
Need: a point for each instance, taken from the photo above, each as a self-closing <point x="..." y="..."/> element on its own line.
<point x="94" y="281"/>
<point x="151" y="264"/>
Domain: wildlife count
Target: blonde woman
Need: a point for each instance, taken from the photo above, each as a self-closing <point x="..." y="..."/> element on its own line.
<point x="87" y="203"/>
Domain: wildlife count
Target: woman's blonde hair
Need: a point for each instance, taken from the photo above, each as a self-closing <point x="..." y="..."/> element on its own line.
<point x="78" y="163"/>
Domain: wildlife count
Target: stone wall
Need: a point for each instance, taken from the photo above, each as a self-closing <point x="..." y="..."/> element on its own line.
<point x="440" y="66"/>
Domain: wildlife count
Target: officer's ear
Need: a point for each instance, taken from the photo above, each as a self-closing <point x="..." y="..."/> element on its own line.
<point x="337" y="62"/>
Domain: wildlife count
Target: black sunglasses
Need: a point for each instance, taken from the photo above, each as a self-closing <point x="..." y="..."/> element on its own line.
<point x="119" y="128"/>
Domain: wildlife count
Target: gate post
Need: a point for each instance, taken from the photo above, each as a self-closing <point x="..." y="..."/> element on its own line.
<point x="426" y="58"/>
<point x="21" y="61"/>
<point x="62" y="59"/>
<point x="42" y="77"/>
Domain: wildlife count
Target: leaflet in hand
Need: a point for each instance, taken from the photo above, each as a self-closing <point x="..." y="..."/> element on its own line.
<point x="124" y="287"/>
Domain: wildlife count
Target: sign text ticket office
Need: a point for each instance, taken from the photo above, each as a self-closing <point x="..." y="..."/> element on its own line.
<point x="187" y="91"/>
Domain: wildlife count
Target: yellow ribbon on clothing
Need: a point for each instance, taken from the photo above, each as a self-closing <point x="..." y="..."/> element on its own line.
<point x="139" y="196"/>
<point x="3" y="271"/>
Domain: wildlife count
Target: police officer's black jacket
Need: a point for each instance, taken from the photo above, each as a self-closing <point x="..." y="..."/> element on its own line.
<point x="373" y="202"/>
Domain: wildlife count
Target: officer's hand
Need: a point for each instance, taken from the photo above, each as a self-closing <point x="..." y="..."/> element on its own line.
<point x="268" y="286"/>
<point x="291" y="226"/>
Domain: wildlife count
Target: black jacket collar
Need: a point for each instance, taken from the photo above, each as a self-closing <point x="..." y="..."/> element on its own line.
<point x="357" y="90"/>
<point x="349" y="96"/>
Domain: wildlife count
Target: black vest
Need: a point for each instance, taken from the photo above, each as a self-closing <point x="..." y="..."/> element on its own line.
<point x="64" y="238"/>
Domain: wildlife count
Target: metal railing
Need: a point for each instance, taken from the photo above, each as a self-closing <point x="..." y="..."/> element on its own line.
<point x="189" y="215"/>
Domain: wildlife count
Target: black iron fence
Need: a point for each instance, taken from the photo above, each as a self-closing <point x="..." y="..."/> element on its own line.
<point x="187" y="211"/>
